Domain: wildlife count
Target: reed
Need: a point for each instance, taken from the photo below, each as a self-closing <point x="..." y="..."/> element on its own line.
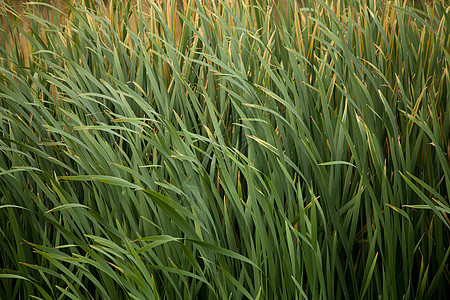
<point x="210" y="150"/>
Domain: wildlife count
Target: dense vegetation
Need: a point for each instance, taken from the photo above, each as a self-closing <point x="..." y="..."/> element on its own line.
<point x="222" y="150"/>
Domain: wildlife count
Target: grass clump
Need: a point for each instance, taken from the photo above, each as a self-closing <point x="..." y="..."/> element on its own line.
<point x="217" y="149"/>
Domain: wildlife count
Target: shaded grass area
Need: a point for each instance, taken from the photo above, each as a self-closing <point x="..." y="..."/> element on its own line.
<point x="229" y="154"/>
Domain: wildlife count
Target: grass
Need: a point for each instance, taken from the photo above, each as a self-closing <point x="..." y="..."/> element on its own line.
<point x="213" y="151"/>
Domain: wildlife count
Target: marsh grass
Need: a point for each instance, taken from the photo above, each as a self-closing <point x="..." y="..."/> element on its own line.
<point x="229" y="154"/>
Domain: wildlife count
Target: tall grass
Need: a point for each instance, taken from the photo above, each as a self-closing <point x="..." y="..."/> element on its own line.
<point x="209" y="150"/>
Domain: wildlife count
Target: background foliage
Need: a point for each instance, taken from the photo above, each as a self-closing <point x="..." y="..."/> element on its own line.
<point x="217" y="149"/>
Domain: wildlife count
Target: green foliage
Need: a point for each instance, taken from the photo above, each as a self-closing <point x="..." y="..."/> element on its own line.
<point x="224" y="151"/>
